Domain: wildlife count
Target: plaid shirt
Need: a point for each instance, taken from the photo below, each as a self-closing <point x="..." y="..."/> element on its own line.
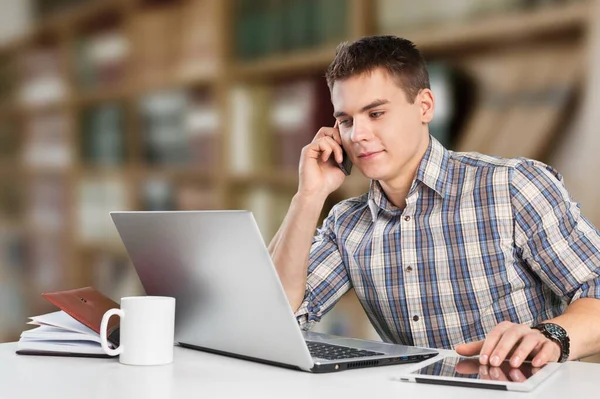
<point x="481" y="240"/>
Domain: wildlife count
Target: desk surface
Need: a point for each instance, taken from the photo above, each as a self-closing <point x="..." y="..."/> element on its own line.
<point x="199" y="374"/>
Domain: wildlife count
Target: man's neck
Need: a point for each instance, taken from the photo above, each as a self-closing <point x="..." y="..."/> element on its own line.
<point x="397" y="189"/>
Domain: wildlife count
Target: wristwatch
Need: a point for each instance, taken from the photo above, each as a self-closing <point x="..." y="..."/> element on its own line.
<point x="557" y="334"/>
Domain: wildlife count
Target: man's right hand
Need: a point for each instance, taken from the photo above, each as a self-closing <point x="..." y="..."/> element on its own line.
<point x="319" y="173"/>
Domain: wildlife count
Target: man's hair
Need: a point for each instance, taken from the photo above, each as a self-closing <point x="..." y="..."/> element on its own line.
<point x="399" y="57"/>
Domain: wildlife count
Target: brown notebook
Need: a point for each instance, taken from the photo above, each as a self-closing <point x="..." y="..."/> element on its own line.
<point x="87" y="306"/>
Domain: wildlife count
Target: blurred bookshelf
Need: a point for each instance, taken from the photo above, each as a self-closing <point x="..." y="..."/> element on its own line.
<point x="205" y="104"/>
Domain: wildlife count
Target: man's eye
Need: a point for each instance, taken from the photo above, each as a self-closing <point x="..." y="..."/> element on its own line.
<point x="376" y="114"/>
<point x="345" y="122"/>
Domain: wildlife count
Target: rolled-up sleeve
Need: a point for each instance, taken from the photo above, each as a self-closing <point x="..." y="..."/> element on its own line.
<point x="557" y="242"/>
<point x="327" y="278"/>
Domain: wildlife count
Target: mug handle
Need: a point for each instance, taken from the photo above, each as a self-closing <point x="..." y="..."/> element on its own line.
<point x="104" y="327"/>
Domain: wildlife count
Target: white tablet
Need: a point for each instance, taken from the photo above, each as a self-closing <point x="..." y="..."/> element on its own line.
<point x="467" y="372"/>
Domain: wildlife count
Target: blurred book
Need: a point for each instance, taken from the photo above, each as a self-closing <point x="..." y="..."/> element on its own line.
<point x="200" y="36"/>
<point x="181" y="128"/>
<point x="48" y="261"/>
<point x="45" y="8"/>
<point x="47" y="143"/>
<point x="97" y="197"/>
<point x="299" y="108"/>
<point x="332" y="20"/>
<point x="103" y="135"/>
<point x="299" y="24"/>
<point x="47" y="217"/>
<point x="163" y="123"/>
<point x="202" y="124"/>
<point x="156" y="40"/>
<point x="48" y="205"/>
<point x="406" y="15"/>
<point x="268" y="27"/>
<point x="41" y="77"/>
<point x="101" y="59"/>
<point x="157" y="195"/>
<point x="253" y="31"/>
<point x="250" y="144"/>
<point x="164" y="195"/>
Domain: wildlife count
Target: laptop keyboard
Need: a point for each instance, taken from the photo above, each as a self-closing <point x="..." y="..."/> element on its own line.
<point x="333" y="352"/>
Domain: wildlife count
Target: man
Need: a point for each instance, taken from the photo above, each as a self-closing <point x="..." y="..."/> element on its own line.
<point x="447" y="250"/>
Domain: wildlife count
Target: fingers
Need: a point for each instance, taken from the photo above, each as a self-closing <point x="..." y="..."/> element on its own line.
<point x="492" y="340"/>
<point x="511" y="336"/>
<point x="550" y="352"/>
<point x="324" y="147"/>
<point x="332" y="132"/>
<point x="518" y="342"/>
<point x="470" y="349"/>
<point x="529" y="343"/>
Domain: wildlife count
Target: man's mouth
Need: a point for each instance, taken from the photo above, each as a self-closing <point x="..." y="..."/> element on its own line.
<point x="369" y="154"/>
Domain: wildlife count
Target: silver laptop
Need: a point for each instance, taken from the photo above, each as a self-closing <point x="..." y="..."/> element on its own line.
<point x="229" y="297"/>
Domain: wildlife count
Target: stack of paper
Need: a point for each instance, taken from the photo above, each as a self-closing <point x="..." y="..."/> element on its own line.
<point x="59" y="332"/>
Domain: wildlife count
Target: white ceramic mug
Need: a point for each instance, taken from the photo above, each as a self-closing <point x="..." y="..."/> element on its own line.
<point x="146" y="330"/>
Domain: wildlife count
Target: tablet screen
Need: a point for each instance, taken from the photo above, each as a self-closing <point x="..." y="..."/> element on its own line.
<point x="463" y="367"/>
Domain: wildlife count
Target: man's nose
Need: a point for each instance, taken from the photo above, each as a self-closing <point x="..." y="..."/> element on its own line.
<point x="361" y="131"/>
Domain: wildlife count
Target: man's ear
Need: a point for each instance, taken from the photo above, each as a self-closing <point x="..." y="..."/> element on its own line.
<point x="427" y="104"/>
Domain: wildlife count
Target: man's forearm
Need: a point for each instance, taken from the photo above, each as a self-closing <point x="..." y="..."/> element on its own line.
<point x="290" y="247"/>
<point x="581" y="320"/>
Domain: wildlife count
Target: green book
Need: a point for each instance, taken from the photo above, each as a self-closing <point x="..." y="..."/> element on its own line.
<point x="103" y="141"/>
<point x="332" y="21"/>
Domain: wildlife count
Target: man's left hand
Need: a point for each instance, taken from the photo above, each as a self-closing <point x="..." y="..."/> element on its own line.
<point x="515" y="341"/>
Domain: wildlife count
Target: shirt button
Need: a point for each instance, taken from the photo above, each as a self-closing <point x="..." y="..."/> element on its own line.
<point x="409" y="268"/>
<point x="415" y="318"/>
<point x="407" y="218"/>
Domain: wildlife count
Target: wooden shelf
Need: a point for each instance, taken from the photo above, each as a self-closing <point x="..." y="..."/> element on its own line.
<point x="129" y="91"/>
<point x="177" y="82"/>
<point x="75" y="14"/>
<point x="180" y="172"/>
<point x="86" y="98"/>
<point x="499" y="28"/>
<point x="106" y="172"/>
<point x="278" y="179"/>
<point x="111" y="248"/>
<point x="285" y="64"/>
<point x="31" y="170"/>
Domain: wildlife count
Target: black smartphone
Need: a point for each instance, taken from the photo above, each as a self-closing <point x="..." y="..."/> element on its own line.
<point x="346" y="164"/>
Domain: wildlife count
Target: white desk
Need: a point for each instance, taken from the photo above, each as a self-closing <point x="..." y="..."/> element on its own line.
<point x="196" y="374"/>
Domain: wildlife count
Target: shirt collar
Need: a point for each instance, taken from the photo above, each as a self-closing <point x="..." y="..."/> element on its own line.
<point x="432" y="171"/>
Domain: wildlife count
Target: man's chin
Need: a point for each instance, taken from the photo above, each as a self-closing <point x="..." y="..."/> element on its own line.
<point x="374" y="174"/>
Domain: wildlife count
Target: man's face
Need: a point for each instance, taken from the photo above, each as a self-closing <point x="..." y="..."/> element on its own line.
<point x="383" y="134"/>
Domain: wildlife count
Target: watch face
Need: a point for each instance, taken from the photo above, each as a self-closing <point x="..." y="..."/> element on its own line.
<point x="555" y="330"/>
